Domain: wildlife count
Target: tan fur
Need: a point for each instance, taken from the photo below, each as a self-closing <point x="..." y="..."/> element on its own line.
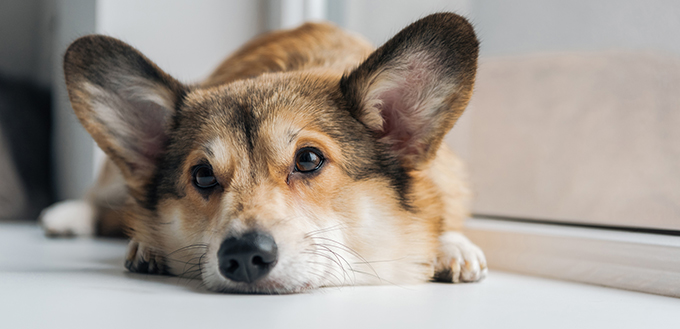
<point x="109" y="195"/>
<point x="311" y="46"/>
<point x="374" y="238"/>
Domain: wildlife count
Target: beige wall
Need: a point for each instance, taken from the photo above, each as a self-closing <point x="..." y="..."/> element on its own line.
<point x="578" y="137"/>
<point x="574" y="112"/>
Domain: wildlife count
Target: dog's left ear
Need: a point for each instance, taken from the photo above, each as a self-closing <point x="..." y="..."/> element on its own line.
<point x="411" y="91"/>
<point x="124" y="101"/>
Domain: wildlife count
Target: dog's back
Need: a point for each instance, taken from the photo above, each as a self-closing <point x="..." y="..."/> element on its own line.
<point x="312" y="46"/>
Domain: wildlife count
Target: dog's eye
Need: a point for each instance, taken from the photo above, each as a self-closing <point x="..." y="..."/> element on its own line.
<point x="308" y="160"/>
<point x="204" y="177"/>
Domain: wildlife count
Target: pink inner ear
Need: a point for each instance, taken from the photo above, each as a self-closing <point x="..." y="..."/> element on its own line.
<point x="407" y="101"/>
<point x="154" y="136"/>
<point x="146" y="122"/>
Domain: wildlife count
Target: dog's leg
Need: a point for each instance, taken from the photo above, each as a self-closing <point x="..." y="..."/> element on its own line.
<point x="99" y="213"/>
<point x="141" y="258"/>
<point x="69" y="218"/>
<point x="459" y="260"/>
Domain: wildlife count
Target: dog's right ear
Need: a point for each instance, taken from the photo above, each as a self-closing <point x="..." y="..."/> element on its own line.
<point x="123" y="100"/>
<point x="411" y="90"/>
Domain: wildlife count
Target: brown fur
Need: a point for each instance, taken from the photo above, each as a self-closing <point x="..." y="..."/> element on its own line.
<point x="279" y="93"/>
<point x="311" y="46"/>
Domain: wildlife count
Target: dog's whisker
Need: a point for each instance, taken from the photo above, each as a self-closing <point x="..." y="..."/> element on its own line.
<point x="323" y="230"/>
<point x="190" y="276"/>
<point x="189" y="263"/>
<point x="329" y="248"/>
<point x="339" y="257"/>
<point x="336" y="261"/>
<point x="328" y="271"/>
<point x="330" y="258"/>
<point x="189" y="248"/>
<point x="353" y="252"/>
<point x="284" y="219"/>
<point x="380" y="261"/>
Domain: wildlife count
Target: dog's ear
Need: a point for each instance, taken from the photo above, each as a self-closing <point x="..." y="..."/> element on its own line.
<point x="123" y="100"/>
<point x="411" y="91"/>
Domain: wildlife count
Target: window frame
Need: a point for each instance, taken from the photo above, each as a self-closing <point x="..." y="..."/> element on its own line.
<point x="643" y="262"/>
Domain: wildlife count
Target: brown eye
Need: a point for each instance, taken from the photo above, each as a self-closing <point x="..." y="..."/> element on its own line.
<point x="204" y="177"/>
<point x="308" y="160"/>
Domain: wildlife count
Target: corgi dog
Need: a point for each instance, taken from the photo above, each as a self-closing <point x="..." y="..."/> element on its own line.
<point x="307" y="159"/>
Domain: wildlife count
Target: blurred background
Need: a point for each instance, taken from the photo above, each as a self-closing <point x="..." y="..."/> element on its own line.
<point x="575" y="119"/>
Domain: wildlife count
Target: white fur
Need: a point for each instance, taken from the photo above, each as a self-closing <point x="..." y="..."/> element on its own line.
<point x="295" y="267"/>
<point x="73" y="217"/>
<point x="468" y="263"/>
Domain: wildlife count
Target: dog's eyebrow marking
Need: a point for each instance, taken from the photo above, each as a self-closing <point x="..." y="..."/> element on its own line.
<point x="208" y="151"/>
<point x="245" y="120"/>
<point x="293" y="134"/>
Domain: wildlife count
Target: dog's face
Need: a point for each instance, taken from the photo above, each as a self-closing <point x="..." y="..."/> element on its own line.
<point x="298" y="170"/>
<point x="285" y="181"/>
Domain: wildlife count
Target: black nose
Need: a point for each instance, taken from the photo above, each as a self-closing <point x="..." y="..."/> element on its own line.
<point x="247" y="258"/>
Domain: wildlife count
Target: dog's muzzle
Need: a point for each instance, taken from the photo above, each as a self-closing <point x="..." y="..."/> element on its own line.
<point x="247" y="258"/>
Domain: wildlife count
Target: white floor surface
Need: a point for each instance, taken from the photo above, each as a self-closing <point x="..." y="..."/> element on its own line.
<point x="81" y="283"/>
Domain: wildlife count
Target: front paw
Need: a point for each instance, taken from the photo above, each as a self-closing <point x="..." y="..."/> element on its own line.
<point x="141" y="258"/>
<point x="459" y="260"/>
<point x="68" y="218"/>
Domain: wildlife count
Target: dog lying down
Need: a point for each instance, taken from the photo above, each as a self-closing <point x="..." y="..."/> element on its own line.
<point x="307" y="159"/>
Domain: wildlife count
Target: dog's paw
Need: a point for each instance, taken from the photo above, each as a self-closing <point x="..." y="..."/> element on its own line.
<point x="459" y="260"/>
<point x="69" y="218"/>
<point x="141" y="258"/>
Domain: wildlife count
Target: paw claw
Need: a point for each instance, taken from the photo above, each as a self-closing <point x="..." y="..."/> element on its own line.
<point x="142" y="259"/>
<point x="460" y="260"/>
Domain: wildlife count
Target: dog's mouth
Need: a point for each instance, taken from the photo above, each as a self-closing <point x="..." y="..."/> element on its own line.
<point x="267" y="284"/>
<point x="251" y="263"/>
<point x="255" y="262"/>
<point x="264" y="287"/>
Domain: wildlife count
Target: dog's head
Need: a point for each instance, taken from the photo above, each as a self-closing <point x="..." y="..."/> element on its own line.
<point x="284" y="181"/>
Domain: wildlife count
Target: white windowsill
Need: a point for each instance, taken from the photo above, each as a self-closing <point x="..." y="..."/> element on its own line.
<point x="81" y="283"/>
<point x="633" y="261"/>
